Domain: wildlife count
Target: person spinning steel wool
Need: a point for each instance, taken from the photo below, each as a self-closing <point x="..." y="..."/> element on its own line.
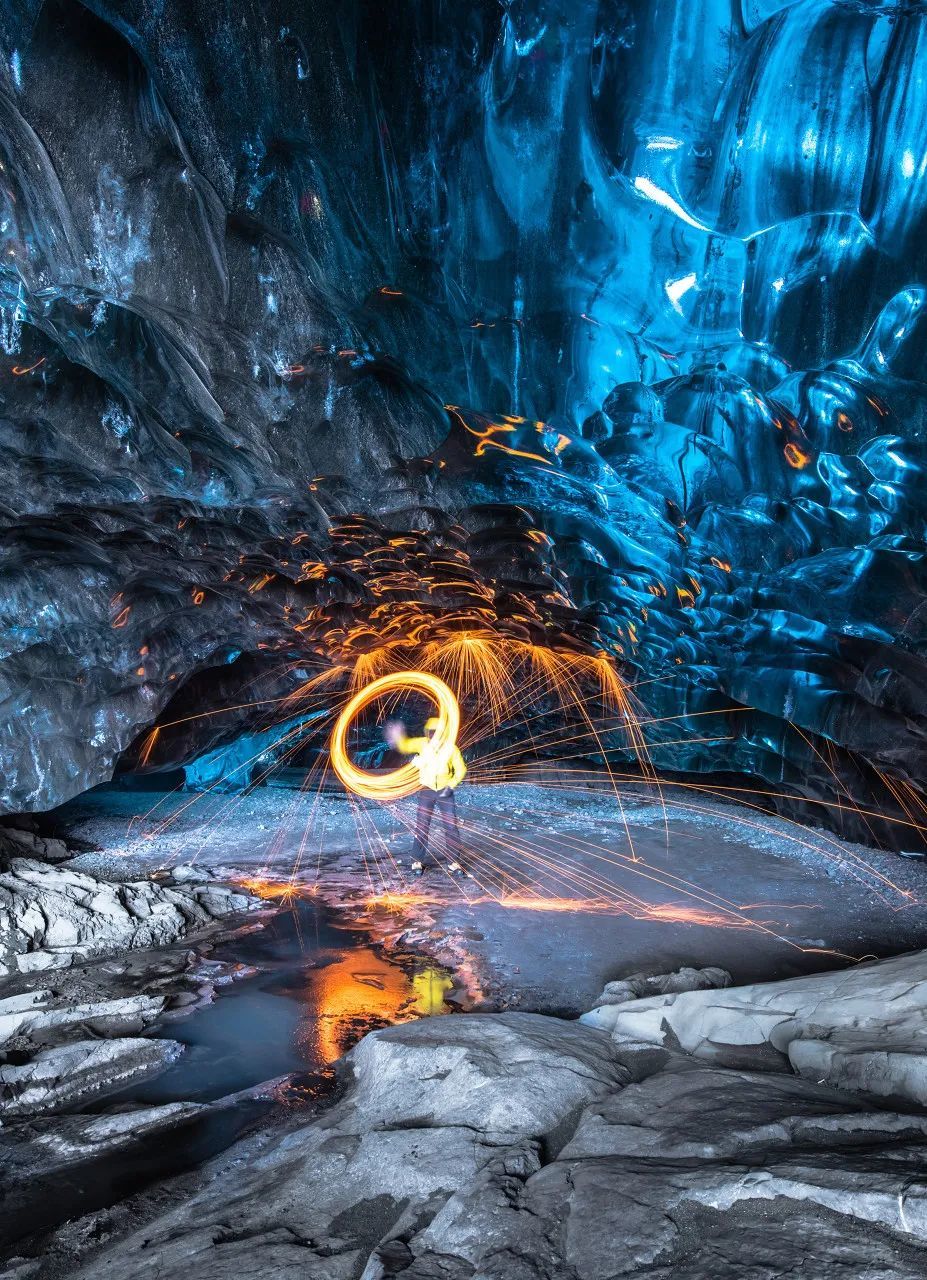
<point x="441" y="770"/>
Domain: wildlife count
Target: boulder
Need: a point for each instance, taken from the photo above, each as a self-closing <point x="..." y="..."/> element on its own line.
<point x="504" y="1075"/>
<point x="431" y="1103"/>
<point x="636" y="986"/>
<point x="866" y="1026"/>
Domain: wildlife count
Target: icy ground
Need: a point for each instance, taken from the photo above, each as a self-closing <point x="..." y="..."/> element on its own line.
<point x="804" y="900"/>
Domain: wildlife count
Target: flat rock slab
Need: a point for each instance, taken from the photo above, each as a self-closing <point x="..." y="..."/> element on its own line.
<point x="432" y="1103"/>
<point x="38" y="1152"/>
<point x="504" y="1075"/>
<point x="862" y="1029"/>
<point x="693" y="1112"/>
<point x="37" y="1018"/>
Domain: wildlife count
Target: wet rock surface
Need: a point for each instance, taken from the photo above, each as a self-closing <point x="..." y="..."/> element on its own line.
<point x="519" y="1147"/>
<point x="70" y="1074"/>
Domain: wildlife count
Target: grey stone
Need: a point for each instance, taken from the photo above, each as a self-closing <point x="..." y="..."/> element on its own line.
<point x="705" y="1148"/>
<point x="69" y="1074"/>
<point x="501" y="1074"/>
<point x="517" y="1147"/>
<point x="43" y="1147"/>
<point x="697" y="1112"/>
<point x="638" y="985"/>
<point x="431" y="1104"/>
<point x="52" y="916"/>
<point x="33" y="1018"/>
<point x="867" y="1025"/>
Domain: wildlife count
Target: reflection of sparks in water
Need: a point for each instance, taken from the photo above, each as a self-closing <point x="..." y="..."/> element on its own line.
<point x="362" y="991"/>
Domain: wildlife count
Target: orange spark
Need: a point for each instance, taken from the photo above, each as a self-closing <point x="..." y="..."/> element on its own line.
<point x="150" y="740"/>
<point x="19" y="369"/>
<point x="795" y="456"/>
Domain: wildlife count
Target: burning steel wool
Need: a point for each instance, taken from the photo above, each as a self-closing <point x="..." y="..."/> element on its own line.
<point x="405" y="780"/>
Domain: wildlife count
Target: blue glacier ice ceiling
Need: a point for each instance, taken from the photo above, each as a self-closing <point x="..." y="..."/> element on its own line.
<point x="647" y="275"/>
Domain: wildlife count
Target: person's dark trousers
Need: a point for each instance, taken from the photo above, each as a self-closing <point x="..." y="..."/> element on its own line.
<point x="446" y="806"/>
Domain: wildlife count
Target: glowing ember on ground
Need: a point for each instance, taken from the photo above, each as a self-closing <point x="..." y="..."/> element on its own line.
<point x="524" y="902"/>
<point x="402" y="900"/>
<point x="277" y="890"/>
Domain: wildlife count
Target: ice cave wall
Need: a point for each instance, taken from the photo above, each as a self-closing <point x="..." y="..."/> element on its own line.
<point x="664" y="258"/>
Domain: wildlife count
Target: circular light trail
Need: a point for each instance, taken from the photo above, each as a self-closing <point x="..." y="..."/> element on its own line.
<point x="405" y="780"/>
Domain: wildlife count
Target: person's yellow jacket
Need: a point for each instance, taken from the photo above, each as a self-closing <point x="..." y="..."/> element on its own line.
<point x="438" y="766"/>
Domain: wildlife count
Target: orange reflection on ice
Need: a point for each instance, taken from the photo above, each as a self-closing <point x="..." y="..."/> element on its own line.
<point x="667" y="913"/>
<point x="527" y="902"/>
<point x="400" y="900"/>
<point x="795" y="456"/>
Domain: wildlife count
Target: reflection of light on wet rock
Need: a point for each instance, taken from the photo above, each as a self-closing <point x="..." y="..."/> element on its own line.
<point x="488" y="1140"/>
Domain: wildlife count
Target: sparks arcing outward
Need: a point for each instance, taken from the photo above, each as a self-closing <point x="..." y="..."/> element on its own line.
<point x="563" y="705"/>
<point x="523" y="698"/>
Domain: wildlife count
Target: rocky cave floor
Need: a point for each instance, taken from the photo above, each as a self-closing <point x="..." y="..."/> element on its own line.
<point x="690" y="1124"/>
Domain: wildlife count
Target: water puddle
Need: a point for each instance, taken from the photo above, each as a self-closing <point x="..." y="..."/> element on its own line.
<point x="318" y="986"/>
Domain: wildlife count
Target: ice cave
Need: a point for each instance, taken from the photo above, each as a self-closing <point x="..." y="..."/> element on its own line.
<point x="463" y="639"/>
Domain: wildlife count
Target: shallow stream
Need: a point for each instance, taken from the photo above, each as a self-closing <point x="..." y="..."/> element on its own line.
<point x="318" y="986"/>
